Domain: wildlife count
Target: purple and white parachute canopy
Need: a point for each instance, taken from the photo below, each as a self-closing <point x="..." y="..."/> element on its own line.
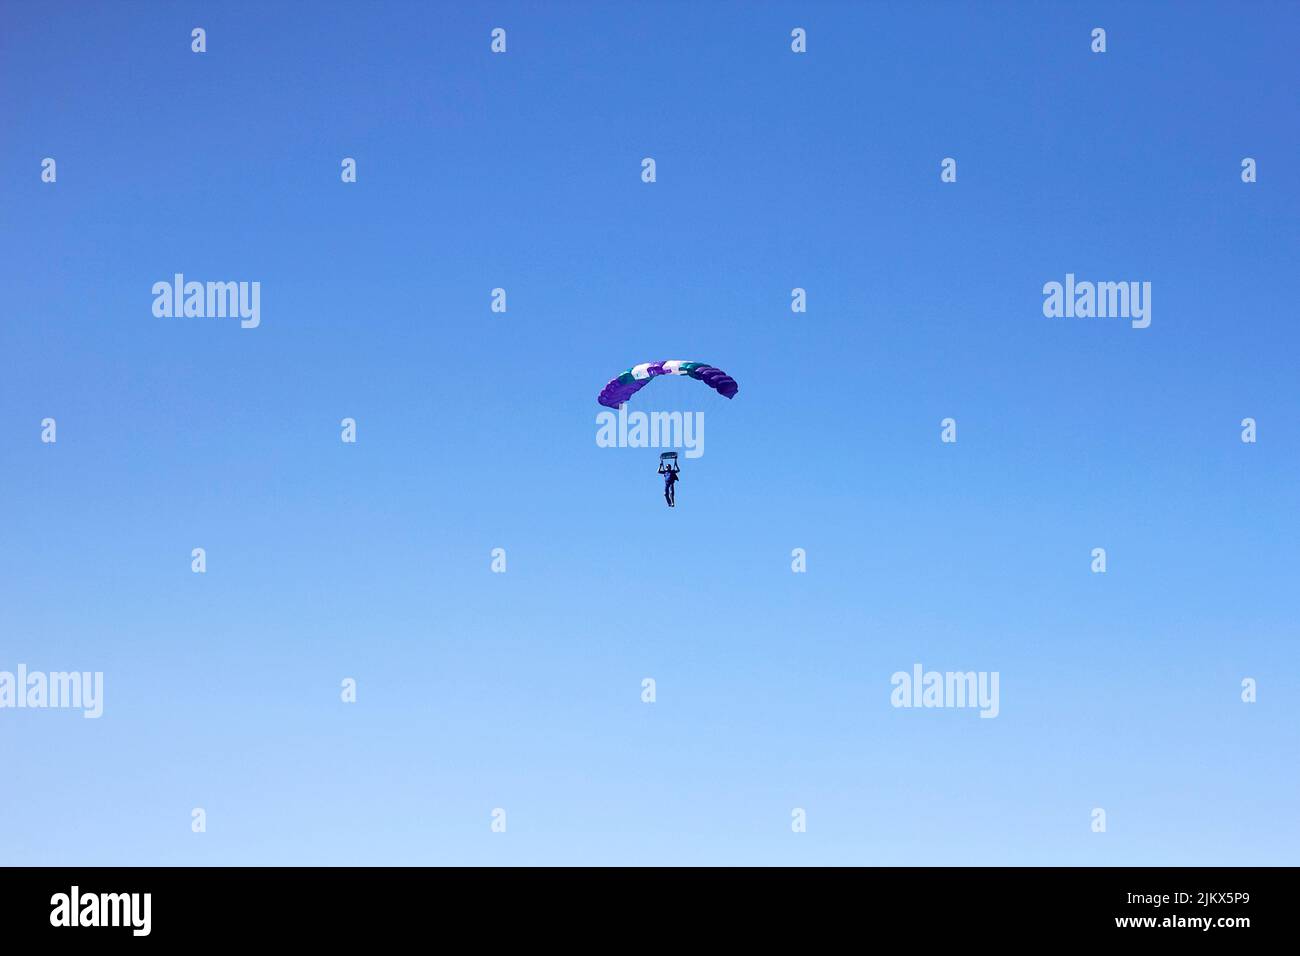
<point x="620" y="389"/>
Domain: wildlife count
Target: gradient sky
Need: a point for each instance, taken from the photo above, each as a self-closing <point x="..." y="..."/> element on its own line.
<point x="477" y="430"/>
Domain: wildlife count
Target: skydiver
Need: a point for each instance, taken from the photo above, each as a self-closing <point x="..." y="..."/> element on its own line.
<point x="670" y="473"/>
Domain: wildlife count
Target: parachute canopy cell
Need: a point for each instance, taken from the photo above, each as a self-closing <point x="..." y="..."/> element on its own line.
<point x="620" y="389"/>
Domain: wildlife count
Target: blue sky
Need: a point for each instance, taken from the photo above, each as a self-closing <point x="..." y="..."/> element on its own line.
<point x="477" y="431"/>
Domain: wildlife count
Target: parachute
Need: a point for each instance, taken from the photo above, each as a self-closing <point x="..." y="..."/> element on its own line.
<point x="620" y="389"/>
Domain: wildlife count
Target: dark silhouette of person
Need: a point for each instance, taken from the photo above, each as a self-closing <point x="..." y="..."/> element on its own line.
<point x="670" y="473"/>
